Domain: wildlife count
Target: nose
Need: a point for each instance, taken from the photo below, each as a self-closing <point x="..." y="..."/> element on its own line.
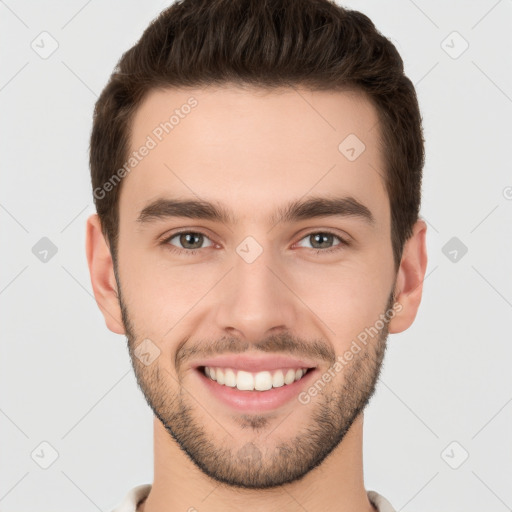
<point x="256" y="299"/>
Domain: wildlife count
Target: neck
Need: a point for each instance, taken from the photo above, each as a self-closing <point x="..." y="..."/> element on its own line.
<point x="335" y="486"/>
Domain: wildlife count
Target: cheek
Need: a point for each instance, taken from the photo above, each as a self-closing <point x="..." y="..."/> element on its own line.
<point x="163" y="298"/>
<point x="346" y="298"/>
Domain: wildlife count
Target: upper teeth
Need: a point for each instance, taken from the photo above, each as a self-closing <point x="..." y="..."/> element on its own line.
<point x="261" y="381"/>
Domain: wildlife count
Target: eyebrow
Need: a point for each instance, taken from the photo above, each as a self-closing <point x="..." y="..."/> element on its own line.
<point x="312" y="207"/>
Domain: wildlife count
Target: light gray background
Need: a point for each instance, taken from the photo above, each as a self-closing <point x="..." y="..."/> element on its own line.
<point x="66" y="380"/>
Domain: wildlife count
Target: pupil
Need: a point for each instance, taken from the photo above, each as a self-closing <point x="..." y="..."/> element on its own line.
<point x="188" y="236"/>
<point x="322" y="235"/>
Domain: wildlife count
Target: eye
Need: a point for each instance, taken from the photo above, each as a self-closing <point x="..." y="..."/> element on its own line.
<point x="322" y="241"/>
<point x="191" y="241"/>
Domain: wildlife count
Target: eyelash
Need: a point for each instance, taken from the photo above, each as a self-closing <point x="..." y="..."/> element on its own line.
<point x="191" y="252"/>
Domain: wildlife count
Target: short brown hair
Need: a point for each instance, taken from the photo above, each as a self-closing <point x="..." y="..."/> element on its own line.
<point x="270" y="44"/>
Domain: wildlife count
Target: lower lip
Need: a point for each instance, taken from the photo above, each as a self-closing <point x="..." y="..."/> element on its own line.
<point x="257" y="401"/>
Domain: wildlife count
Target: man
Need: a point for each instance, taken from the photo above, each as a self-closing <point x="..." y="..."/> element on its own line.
<point x="256" y="168"/>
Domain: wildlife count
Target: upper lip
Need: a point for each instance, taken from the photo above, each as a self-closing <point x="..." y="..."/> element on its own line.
<point x="256" y="364"/>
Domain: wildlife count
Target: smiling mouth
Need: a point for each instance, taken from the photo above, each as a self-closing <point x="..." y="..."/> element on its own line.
<point x="254" y="381"/>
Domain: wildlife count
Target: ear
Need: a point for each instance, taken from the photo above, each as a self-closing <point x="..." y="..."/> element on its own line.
<point x="409" y="281"/>
<point x="101" y="270"/>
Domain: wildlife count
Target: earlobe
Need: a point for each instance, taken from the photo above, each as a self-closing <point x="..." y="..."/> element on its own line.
<point x="101" y="270"/>
<point x="409" y="282"/>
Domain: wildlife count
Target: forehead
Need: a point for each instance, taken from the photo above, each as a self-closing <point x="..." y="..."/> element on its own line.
<point x="252" y="149"/>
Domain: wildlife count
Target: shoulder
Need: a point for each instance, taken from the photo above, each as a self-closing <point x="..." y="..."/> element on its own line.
<point x="379" y="502"/>
<point x="133" y="498"/>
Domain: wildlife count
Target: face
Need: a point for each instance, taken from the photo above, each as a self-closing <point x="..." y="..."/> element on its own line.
<point x="303" y="285"/>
